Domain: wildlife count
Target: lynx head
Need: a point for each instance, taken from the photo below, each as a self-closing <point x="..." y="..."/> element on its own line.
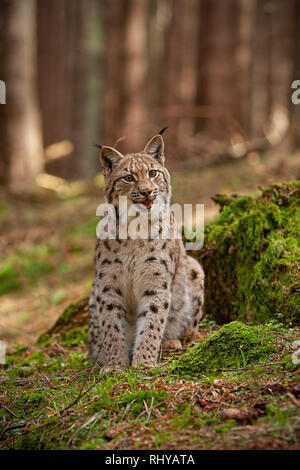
<point x="142" y="177"/>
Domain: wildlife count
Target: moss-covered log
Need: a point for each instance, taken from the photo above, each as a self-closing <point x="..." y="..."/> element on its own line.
<point x="251" y="257"/>
<point x="234" y="345"/>
<point x="70" y="325"/>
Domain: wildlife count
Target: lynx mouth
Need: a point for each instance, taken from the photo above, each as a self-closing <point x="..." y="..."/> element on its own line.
<point x="145" y="204"/>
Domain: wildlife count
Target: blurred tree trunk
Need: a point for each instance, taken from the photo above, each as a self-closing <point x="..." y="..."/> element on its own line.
<point x="114" y="73"/>
<point x="125" y="90"/>
<point x="260" y="95"/>
<point x="181" y="63"/>
<point x="159" y="17"/>
<point x="4" y="152"/>
<point x="51" y="60"/>
<point x="295" y="109"/>
<point x="219" y="21"/>
<point x="21" y="134"/>
<point x="93" y="84"/>
<point x="244" y="59"/>
<point x="133" y="74"/>
<point x="76" y="79"/>
<point x="173" y="55"/>
<point x="282" y="52"/>
<point x="63" y="79"/>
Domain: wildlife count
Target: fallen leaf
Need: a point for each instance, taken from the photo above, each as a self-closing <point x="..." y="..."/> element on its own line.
<point x="202" y="403"/>
<point x="242" y="416"/>
<point x="115" y="430"/>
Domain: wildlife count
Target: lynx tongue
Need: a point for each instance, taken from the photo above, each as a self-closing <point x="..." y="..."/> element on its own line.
<point x="147" y="203"/>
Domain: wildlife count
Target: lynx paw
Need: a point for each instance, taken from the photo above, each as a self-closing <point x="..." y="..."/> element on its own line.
<point x="116" y="368"/>
<point x="144" y="362"/>
<point x="171" y="344"/>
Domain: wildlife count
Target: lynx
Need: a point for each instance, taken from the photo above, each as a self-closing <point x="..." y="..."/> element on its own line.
<point x="148" y="293"/>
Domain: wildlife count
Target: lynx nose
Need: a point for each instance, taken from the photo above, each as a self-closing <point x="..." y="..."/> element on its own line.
<point x="146" y="192"/>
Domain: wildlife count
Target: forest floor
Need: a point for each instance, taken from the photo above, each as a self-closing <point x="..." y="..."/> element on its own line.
<point x="52" y="397"/>
<point x="46" y="246"/>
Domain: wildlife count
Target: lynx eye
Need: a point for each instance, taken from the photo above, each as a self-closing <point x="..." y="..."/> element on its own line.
<point x="152" y="173"/>
<point x="128" y="178"/>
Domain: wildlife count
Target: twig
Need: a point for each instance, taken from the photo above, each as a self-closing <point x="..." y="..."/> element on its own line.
<point x="10" y="428"/>
<point x="8" y="410"/>
<point x="45" y="376"/>
<point x="77" y="399"/>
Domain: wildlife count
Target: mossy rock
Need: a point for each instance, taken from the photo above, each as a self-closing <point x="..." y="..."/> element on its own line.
<point x="251" y="257"/>
<point x="71" y="325"/>
<point x="235" y="345"/>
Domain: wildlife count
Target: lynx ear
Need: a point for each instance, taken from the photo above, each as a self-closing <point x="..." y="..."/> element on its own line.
<point x="155" y="148"/>
<point x="109" y="158"/>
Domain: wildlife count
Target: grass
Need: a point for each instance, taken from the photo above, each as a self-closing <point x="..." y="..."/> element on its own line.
<point x="65" y="402"/>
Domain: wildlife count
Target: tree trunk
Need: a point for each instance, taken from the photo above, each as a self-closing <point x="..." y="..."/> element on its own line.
<point x="181" y="69"/>
<point x="218" y="80"/>
<point x="125" y="88"/>
<point x="63" y="79"/>
<point x="22" y="131"/>
<point x="261" y="75"/>
<point x="282" y="41"/>
<point x="244" y="59"/>
<point x="295" y="109"/>
<point x="114" y="73"/>
<point x="133" y="74"/>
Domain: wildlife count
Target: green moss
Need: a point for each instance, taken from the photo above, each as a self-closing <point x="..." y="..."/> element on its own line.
<point x="92" y="444"/>
<point x="70" y="329"/>
<point x="30" y="398"/>
<point x="66" y="316"/>
<point x="46" y="339"/>
<point x="22" y="371"/>
<point x="25" y="268"/>
<point x="234" y="345"/>
<point x="30" y="441"/>
<point x="8" y="278"/>
<point x="36" y="358"/>
<point x="25" y="367"/>
<point x="251" y="257"/>
<point x="75" y="337"/>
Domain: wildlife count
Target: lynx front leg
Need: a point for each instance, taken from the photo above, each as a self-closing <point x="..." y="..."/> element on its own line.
<point x="151" y="322"/>
<point x="111" y="349"/>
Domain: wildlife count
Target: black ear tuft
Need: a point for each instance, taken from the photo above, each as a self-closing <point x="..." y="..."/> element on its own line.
<point x="163" y="130"/>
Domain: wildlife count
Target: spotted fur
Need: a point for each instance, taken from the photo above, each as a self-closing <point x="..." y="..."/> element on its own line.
<point x="147" y="294"/>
